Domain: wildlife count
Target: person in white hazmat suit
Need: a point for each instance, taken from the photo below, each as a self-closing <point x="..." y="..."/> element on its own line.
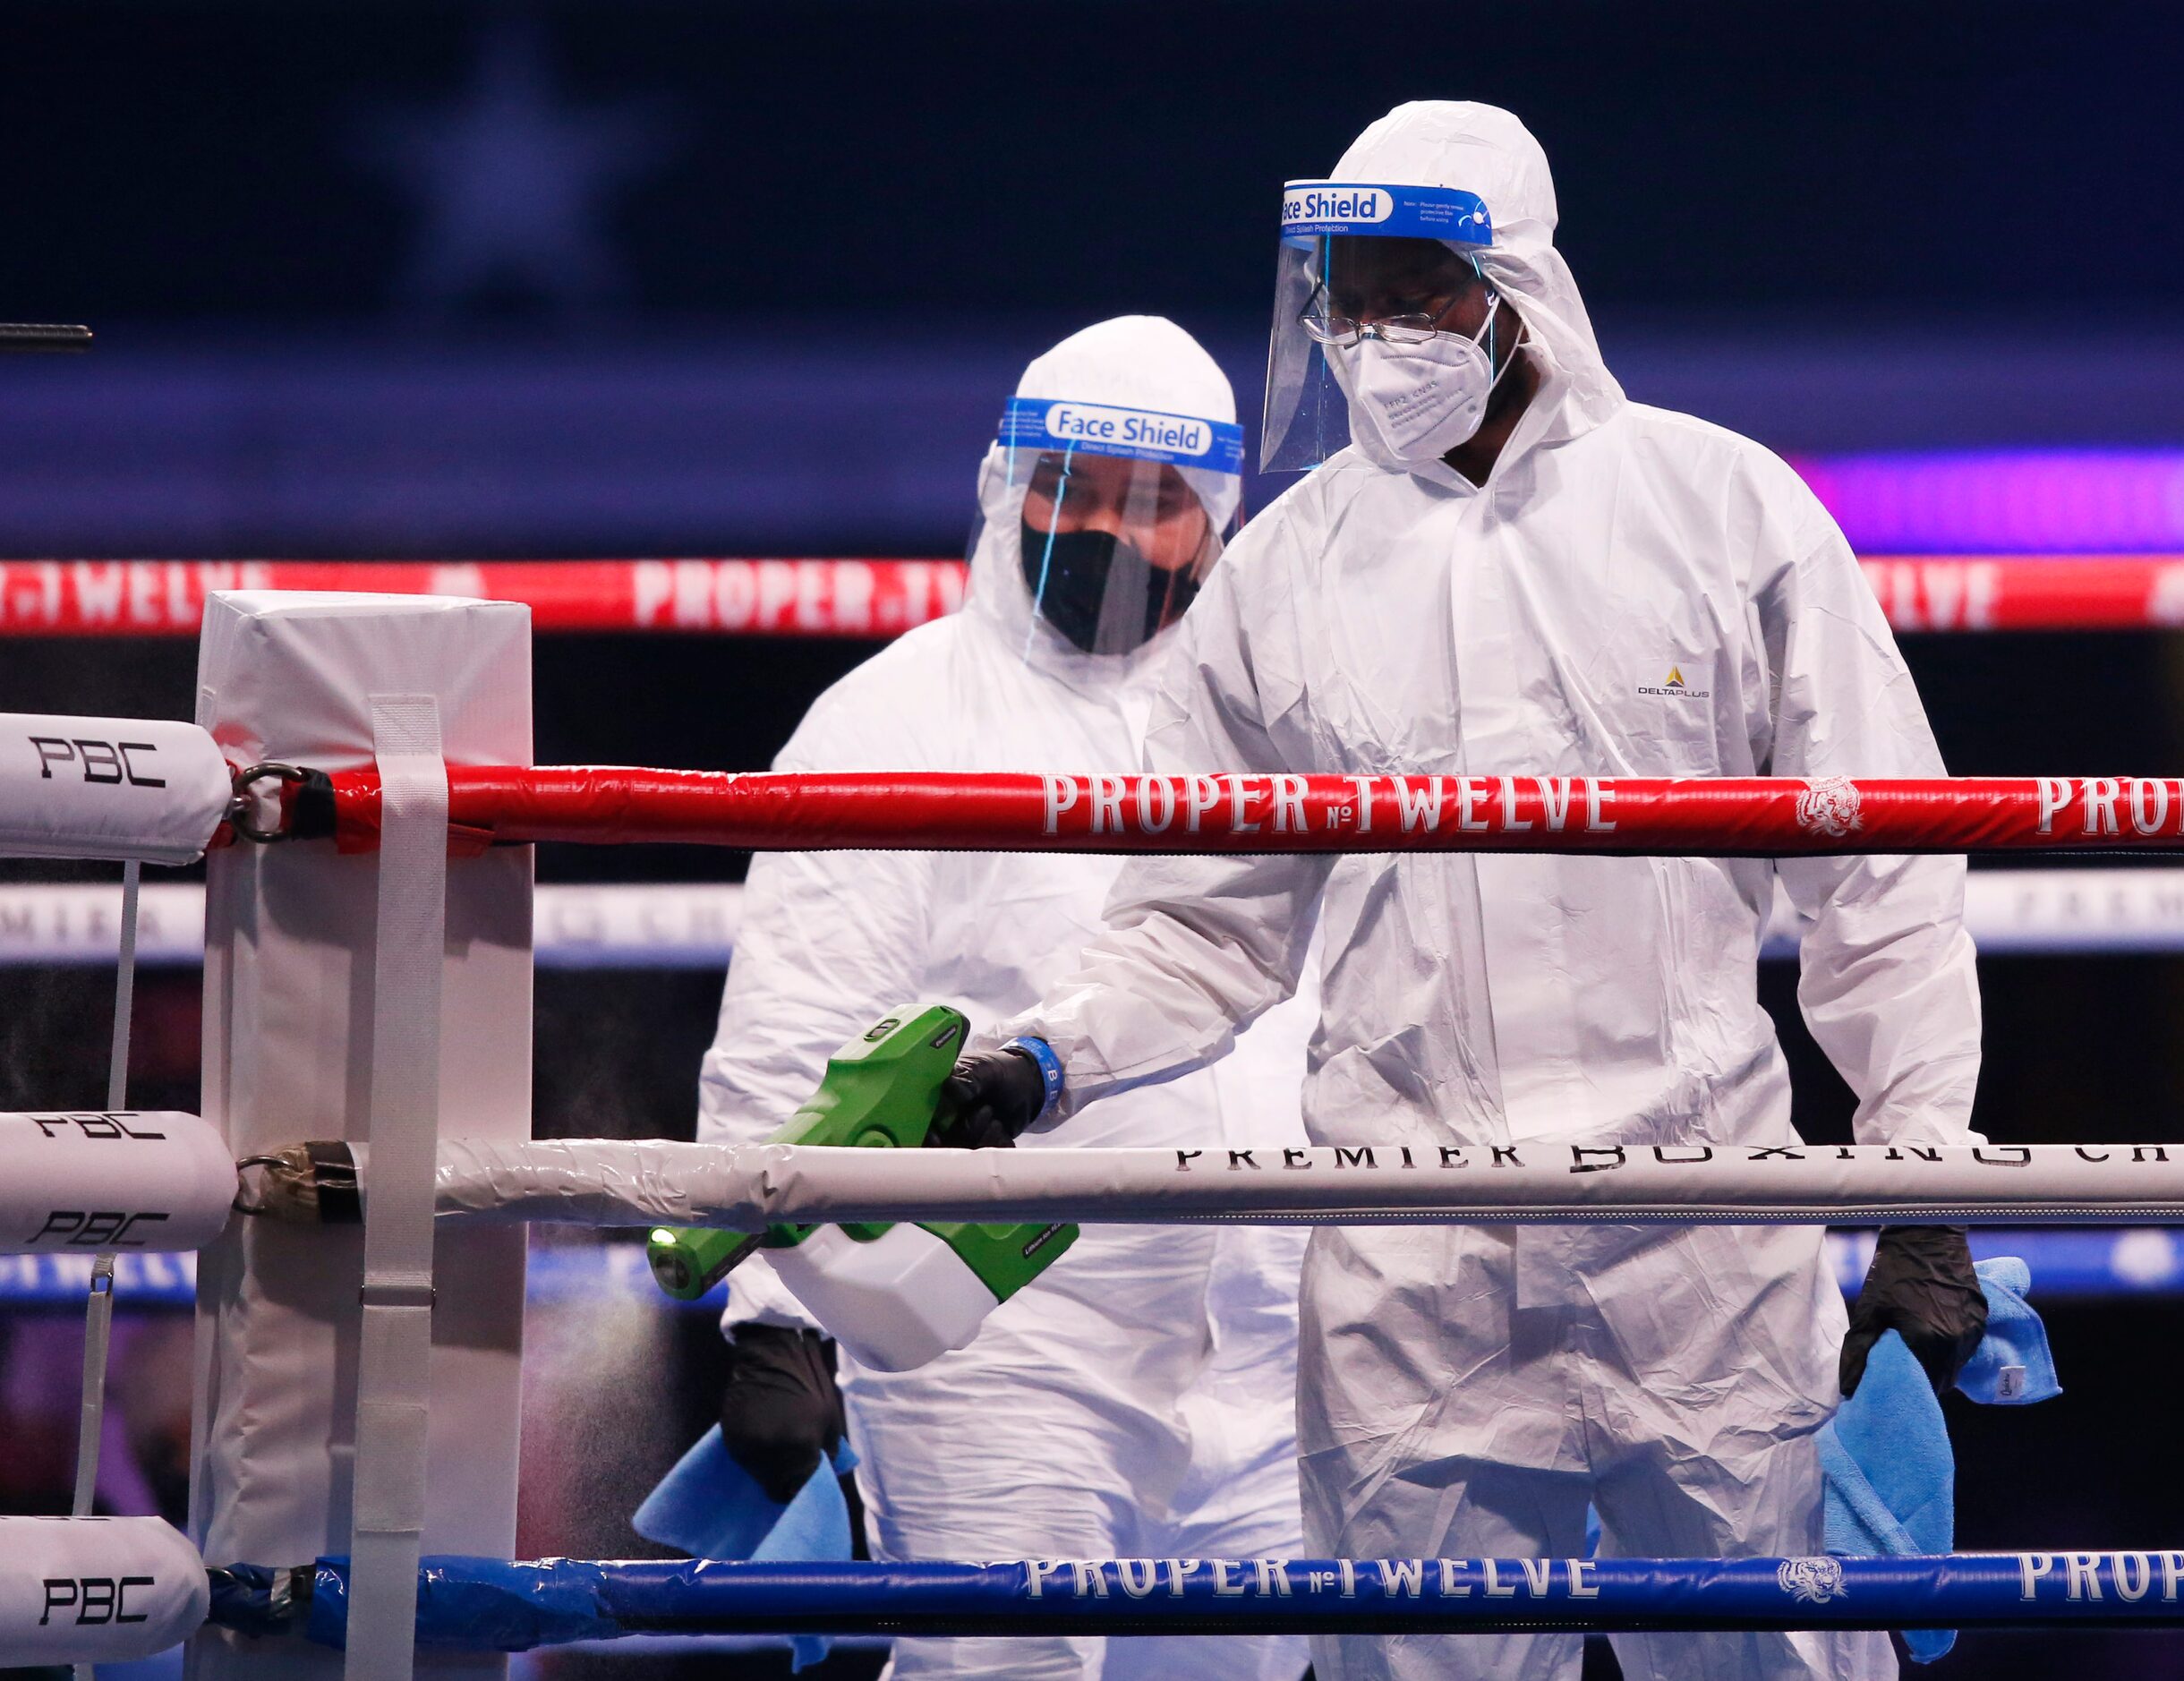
<point x="1512" y="568"/>
<point x="1137" y="1398"/>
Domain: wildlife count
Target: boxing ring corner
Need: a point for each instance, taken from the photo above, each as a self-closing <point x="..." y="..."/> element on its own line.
<point x="294" y="1005"/>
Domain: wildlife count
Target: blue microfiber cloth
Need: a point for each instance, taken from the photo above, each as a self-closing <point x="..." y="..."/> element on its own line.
<point x="2013" y="1365"/>
<point x="1890" y="1475"/>
<point x="710" y="1508"/>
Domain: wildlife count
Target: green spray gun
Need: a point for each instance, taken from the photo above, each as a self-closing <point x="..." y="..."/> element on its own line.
<point x="894" y="1295"/>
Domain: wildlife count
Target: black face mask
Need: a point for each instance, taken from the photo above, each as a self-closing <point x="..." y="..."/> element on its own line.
<point x="1099" y="592"/>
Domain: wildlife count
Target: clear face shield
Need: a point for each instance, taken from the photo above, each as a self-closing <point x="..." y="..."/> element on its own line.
<point x="1369" y="281"/>
<point x="1123" y="512"/>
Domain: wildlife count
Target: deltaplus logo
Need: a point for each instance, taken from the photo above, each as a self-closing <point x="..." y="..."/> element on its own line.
<point x="1676" y="687"/>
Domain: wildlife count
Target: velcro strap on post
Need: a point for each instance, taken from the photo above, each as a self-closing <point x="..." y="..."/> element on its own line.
<point x="394" y="1371"/>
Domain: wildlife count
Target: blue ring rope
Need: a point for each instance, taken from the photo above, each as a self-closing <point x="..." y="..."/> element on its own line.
<point x="2099" y="1264"/>
<point x="479" y="1604"/>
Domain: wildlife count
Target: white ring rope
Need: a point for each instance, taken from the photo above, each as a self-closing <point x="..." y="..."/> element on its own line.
<point x="746" y="1188"/>
<point x="2107" y="1262"/>
<point x="693" y="926"/>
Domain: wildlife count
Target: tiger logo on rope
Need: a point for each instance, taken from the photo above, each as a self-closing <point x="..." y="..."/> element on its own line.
<point x="1829" y="807"/>
<point x="1812" y="1581"/>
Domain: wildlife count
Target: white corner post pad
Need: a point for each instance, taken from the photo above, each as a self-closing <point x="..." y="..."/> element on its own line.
<point x="317" y="986"/>
<point x="96" y="1590"/>
<point x="95" y="1180"/>
<point x="124" y="788"/>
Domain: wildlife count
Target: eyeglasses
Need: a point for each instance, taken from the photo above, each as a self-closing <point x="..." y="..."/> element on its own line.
<point x="1343" y="331"/>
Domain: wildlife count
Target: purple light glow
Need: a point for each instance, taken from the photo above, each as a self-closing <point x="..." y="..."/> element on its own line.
<point x="2073" y="501"/>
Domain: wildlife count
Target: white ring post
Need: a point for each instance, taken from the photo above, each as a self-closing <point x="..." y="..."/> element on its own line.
<point x="305" y="1037"/>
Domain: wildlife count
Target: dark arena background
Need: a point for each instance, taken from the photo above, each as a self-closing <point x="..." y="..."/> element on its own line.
<point x="459" y="282"/>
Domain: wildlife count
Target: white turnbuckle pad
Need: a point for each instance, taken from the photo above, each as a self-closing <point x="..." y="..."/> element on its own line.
<point x="82" y="1182"/>
<point x="109" y="787"/>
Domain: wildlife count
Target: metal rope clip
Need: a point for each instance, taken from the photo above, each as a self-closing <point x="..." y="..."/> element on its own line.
<point x="240" y="808"/>
<point x="314" y="1183"/>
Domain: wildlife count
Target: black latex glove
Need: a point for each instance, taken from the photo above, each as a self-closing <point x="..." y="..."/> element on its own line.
<point x="1922" y="1286"/>
<point x="988" y="1100"/>
<point x="780" y="1413"/>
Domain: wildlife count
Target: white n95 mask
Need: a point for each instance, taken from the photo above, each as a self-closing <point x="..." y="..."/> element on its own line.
<point x="1421" y="399"/>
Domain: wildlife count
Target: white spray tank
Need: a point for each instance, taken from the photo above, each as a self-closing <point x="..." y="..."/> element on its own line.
<point x="895" y="1296"/>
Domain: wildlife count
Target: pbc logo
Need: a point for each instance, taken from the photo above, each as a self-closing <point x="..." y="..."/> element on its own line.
<point x="106" y="1123"/>
<point x="94" y="1228"/>
<point x="106" y="762"/>
<point x="95" y="1601"/>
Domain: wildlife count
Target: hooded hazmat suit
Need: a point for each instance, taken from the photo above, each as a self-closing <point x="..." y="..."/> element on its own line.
<point x="1630" y="592"/>
<point x="1136" y="1399"/>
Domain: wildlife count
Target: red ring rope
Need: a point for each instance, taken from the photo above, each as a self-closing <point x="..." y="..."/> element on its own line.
<point x="1755" y="816"/>
<point x="766" y="597"/>
<point x="883" y="598"/>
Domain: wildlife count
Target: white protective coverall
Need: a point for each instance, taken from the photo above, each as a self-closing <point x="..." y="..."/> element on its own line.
<point x="1466" y="1391"/>
<point x="1137" y="1399"/>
